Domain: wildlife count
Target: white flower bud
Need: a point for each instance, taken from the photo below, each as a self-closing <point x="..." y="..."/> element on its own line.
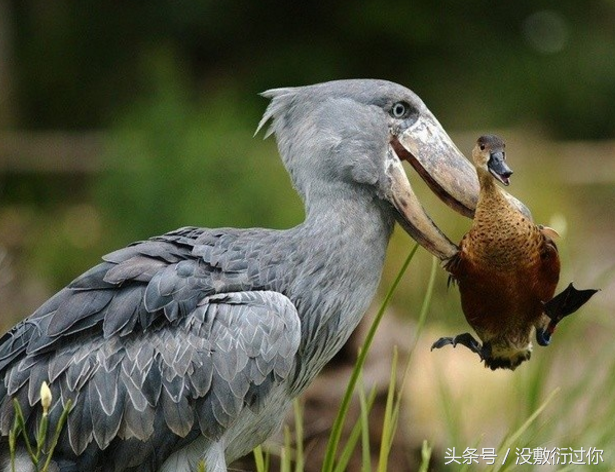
<point x="46" y="397"/>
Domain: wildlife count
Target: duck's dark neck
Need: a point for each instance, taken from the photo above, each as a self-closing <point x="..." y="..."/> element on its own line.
<point x="499" y="233"/>
<point x="486" y="181"/>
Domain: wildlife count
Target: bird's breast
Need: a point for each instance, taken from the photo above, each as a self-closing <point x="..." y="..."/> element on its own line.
<point x="503" y="239"/>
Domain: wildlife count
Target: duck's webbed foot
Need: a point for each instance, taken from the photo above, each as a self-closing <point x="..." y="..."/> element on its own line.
<point x="560" y="306"/>
<point x="465" y="339"/>
<point x="567" y="302"/>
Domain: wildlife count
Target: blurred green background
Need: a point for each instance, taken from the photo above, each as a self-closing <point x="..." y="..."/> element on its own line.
<point x="121" y="120"/>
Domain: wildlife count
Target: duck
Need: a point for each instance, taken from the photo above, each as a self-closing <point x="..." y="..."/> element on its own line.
<point x="507" y="269"/>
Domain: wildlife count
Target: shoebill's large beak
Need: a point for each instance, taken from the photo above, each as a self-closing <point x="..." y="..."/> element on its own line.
<point x="432" y="153"/>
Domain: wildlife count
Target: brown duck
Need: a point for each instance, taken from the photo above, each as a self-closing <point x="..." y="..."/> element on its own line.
<point x="507" y="269"/>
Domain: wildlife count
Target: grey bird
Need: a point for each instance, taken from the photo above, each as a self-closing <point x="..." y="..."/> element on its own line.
<point x="190" y="346"/>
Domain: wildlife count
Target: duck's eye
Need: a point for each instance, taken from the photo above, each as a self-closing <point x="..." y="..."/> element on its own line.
<point x="400" y="110"/>
<point x="482" y="147"/>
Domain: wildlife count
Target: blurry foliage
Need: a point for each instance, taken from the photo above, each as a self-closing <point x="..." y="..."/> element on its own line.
<point x="188" y="160"/>
<point x="476" y="63"/>
<point x="174" y="159"/>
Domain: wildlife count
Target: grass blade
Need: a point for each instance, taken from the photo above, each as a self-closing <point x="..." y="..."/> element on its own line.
<point x="298" y="411"/>
<point x="19" y="419"/>
<point x="425" y="457"/>
<point x="58" y="431"/>
<point x="389" y="423"/>
<point x="259" y="459"/>
<point x="286" y="452"/>
<point x="336" y="430"/>
<point x="366" y="463"/>
<point x="514" y="437"/>
<point x="360" y="429"/>
<point x="435" y="262"/>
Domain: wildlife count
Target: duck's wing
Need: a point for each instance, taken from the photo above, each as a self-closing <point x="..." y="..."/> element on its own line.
<point x="549" y="267"/>
<point x="455" y="265"/>
<point x="163" y="340"/>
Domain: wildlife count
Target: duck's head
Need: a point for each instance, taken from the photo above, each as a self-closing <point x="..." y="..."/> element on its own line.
<point x="489" y="157"/>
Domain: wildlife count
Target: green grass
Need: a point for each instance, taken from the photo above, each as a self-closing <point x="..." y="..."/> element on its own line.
<point x="336" y="431"/>
<point x="334" y="460"/>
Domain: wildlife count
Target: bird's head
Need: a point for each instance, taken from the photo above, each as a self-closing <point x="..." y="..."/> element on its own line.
<point x="489" y="157"/>
<point x="354" y="134"/>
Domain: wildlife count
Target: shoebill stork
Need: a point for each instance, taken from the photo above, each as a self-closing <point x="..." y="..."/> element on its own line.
<point x="190" y="346"/>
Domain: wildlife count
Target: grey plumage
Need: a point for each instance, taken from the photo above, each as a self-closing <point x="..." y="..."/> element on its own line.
<point x="191" y="345"/>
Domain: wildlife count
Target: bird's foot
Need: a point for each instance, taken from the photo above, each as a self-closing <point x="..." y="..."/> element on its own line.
<point x="567" y="302"/>
<point x="465" y="339"/>
<point x="560" y="306"/>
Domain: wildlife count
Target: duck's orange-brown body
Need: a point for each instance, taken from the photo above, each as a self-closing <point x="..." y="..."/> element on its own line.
<point x="507" y="268"/>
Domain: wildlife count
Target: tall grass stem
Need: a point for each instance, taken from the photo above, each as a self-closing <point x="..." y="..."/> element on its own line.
<point x="336" y="430"/>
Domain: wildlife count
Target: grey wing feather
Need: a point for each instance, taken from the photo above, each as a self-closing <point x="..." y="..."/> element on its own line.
<point x="139" y="268"/>
<point x="141" y="342"/>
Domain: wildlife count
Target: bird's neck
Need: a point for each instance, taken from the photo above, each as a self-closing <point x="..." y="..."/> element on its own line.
<point x="499" y="233"/>
<point x="342" y="246"/>
<point x="346" y="207"/>
<point x="352" y="229"/>
<point x="348" y="233"/>
<point x="491" y="198"/>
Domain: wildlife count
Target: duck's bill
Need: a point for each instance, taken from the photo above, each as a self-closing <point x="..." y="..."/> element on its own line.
<point x="434" y="156"/>
<point x="498" y="167"/>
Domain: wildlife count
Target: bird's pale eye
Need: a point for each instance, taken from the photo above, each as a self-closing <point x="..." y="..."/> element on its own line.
<point x="400" y="110"/>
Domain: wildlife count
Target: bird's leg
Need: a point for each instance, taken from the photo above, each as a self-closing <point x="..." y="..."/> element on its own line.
<point x="465" y="339"/>
<point x="560" y="306"/>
